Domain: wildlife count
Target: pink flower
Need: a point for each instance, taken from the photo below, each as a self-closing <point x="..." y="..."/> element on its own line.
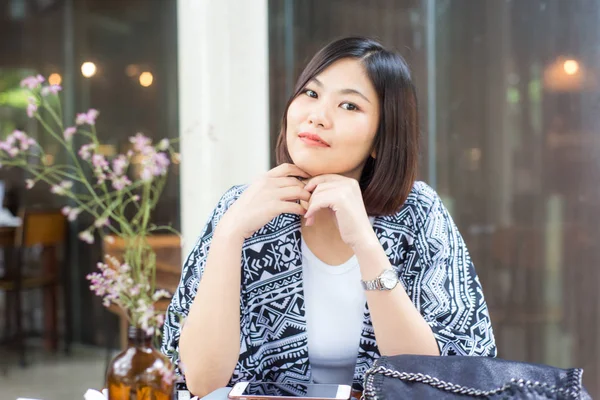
<point x="135" y="197"/>
<point x="29" y="183"/>
<point x="161" y="161"/>
<point x="19" y="135"/>
<point x="85" y="151"/>
<point x="159" y="294"/>
<point x="62" y="188"/>
<point x="31" y="109"/>
<point x="18" y="138"/>
<point x="135" y="290"/>
<point x="146" y="175"/>
<point x="5" y="146"/>
<point x="69" y="132"/>
<point x="120" y="164"/>
<point x="97" y="283"/>
<point x="125" y="268"/>
<point x="140" y="142"/>
<point x="87" y="118"/>
<point x="163" y="144"/>
<point x="25" y="144"/>
<point x="71" y="213"/>
<point x="155" y="164"/>
<point x="100" y="222"/>
<point x="32" y="82"/>
<point x="100" y="176"/>
<point x="99" y="162"/>
<point x="87" y="237"/>
<point x="54" y="89"/>
<point x="147" y="315"/>
<point x="119" y="183"/>
<point x="168" y="374"/>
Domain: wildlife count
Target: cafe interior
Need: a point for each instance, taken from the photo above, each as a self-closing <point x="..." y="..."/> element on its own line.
<point x="509" y="95"/>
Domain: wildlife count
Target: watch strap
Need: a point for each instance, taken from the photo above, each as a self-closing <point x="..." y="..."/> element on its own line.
<point x="374" y="284"/>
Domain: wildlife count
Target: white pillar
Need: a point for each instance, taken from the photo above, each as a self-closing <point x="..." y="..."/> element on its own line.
<point x="223" y="102"/>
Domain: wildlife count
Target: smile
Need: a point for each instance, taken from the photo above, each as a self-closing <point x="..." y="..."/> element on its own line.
<point x="313" y="140"/>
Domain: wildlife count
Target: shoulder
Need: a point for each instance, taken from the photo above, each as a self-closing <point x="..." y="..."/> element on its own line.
<point x="231" y="195"/>
<point x="226" y="200"/>
<point x="424" y="199"/>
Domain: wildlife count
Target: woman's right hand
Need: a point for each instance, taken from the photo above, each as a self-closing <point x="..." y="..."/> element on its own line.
<point x="274" y="193"/>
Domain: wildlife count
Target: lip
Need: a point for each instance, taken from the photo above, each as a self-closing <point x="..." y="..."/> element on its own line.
<point x="312" y="139"/>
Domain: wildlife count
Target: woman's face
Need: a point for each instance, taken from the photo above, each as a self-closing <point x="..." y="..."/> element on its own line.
<point x="331" y="125"/>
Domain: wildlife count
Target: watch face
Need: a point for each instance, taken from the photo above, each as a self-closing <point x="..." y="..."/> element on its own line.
<point x="389" y="279"/>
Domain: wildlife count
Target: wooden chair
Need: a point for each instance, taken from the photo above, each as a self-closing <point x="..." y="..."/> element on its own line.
<point x="46" y="228"/>
<point x="168" y="271"/>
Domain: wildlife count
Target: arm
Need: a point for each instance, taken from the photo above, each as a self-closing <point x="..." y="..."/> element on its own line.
<point x="209" y="294"/>
<point x="450" y="295"/>
<point x="442" y="311"/>
<point x="399" y="326"/>
<point x="440" y="299"/>
<point x="201" y="333"/>
<point x="210" y="337"/>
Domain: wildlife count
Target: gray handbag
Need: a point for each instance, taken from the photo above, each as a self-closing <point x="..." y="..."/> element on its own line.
<point x="457" y="377"/>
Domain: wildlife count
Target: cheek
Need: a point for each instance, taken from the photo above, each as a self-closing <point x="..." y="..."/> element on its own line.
<point x="295" y="112"/>
<point x="361" y="133"/>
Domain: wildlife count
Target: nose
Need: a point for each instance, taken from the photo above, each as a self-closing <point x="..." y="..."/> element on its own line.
<point x="319" y="119"/>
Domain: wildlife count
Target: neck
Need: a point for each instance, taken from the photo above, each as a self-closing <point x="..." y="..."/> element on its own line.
<point x="324" y="224"/>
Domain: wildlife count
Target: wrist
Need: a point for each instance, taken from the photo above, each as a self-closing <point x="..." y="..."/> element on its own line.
<point x="367" y="244"/>
<point x="228" y="233"/>
<point x="371" y="257"/>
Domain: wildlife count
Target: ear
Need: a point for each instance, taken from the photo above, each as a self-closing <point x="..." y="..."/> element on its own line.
<point x="374" y="154"/>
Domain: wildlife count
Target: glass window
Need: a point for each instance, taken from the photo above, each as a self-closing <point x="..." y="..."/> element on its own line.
<point x="119" y="57"/>
<point x="509" y="103"/>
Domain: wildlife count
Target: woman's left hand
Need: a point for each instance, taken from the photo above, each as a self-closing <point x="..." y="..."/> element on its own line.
<point x="343" y="196"/>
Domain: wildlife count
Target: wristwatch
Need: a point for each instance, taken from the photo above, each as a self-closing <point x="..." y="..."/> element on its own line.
<point x="386" y="281"/>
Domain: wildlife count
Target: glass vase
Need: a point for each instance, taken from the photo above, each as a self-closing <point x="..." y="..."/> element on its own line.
<point x="140" y="372"/>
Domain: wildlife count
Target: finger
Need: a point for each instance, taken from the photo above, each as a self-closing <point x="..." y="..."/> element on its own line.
<point x="287" y="181"/>
<point x="304" y="204"/>
<point x="287" y="170"/>
<point x="309" y="221"/>
<point x="322" y="201"/>
<point x="317" y="180"/>
<point x="293" y="193"/>
<point x="288" y="207"/>
<point x="325" y="186"/>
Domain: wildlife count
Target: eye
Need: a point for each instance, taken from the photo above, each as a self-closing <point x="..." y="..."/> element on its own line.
<point x="310" y="93"/>
<point x="349" y="106"/>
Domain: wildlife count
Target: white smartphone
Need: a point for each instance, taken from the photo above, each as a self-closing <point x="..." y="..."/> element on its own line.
<point x="279" y="391"/>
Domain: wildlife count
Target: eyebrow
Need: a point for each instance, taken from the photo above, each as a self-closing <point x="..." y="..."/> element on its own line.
<point x="342" y="91"/>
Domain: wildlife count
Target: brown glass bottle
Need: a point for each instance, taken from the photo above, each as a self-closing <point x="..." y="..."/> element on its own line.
<point x="138" y="373"/>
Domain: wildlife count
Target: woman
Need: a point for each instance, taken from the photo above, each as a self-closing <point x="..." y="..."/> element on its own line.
<point x="337" y="255"/>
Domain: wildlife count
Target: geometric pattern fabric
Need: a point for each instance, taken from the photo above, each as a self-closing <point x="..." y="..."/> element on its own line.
<point x="422" y="244"/>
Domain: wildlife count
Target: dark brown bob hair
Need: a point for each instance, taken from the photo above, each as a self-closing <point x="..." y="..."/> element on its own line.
<point x="387" y="179"/>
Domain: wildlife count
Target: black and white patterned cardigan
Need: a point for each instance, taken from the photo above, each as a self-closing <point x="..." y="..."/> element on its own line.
<point x="422" y="244"/>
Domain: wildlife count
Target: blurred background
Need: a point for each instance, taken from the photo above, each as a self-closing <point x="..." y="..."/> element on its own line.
<point x="509" y="100"/>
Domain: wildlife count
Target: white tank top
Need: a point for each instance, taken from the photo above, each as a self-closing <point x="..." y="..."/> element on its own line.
<point x="334" y="303"/>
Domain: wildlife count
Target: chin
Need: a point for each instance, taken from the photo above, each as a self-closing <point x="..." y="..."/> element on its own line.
<point x="308" y="165"/>
<point x="311" y="169"/>
<point x="314" y="167"/>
